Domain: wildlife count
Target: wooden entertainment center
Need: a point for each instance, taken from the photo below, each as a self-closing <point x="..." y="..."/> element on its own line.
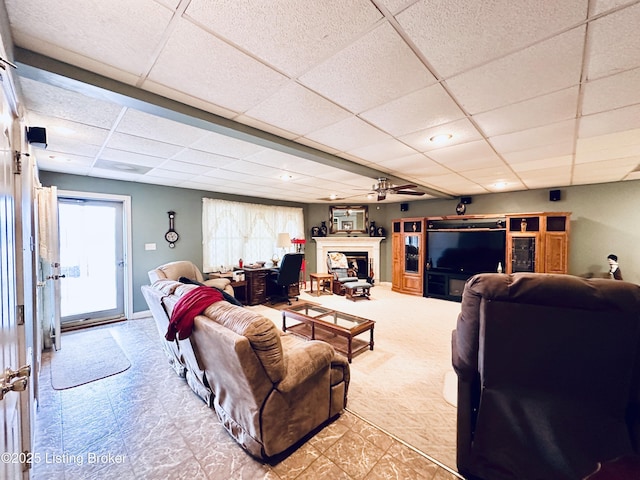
<point x="464" y="245"/>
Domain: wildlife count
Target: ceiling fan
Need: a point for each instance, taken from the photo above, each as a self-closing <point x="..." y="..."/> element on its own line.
<point x="384" y="187"/>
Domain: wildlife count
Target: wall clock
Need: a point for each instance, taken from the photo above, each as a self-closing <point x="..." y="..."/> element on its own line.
<point x="461" y="208"/>
<point x="171" y="236"/>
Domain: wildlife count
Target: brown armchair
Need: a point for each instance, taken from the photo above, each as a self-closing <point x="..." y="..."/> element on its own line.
<point x="548" y="375"/>
<point x="185" y="268"/>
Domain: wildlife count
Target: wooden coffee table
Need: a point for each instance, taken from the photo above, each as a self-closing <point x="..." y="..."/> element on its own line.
<point x="315" y="322"/>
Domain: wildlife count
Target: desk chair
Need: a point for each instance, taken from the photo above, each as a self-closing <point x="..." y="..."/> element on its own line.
<point x="288" y="274"/>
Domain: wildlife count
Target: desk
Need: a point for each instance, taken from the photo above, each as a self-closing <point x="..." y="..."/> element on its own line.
<point x="320" y="279"/>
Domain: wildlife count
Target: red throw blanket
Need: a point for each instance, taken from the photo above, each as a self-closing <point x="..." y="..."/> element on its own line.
<point x="190" y="304"/>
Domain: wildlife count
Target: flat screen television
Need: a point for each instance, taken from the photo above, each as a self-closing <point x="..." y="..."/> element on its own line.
<point x="466" y="251"/>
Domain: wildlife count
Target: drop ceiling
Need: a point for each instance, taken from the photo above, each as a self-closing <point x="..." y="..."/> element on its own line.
<point x="300" y="99"/>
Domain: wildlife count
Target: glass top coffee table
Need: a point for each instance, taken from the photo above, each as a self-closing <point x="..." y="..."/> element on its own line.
<point x="315" y="322"/>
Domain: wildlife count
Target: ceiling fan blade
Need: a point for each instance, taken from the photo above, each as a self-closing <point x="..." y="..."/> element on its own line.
<point x="408" y="192"/>
<point x="402" y="187"/>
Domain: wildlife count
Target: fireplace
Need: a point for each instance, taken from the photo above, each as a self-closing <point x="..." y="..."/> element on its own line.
<point x="358" y="261"/>
<point x="349" y="246"/>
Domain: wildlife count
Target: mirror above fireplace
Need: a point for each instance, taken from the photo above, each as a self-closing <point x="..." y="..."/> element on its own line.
<point x="349" y="219"/>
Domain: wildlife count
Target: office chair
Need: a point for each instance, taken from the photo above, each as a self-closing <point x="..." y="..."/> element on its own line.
<point x="288" y="274"/>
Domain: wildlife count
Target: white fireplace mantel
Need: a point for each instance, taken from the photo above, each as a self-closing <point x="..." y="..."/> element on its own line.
<point x="371" y="245"/>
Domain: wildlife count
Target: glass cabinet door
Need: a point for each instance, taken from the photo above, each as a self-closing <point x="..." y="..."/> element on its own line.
<point x="412" y="253"/>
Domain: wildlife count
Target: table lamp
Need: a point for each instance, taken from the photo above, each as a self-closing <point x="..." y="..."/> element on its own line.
<point x="284" y="242"/>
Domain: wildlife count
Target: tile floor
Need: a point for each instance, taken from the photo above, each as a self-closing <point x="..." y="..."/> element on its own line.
<point x="146" y="423"/>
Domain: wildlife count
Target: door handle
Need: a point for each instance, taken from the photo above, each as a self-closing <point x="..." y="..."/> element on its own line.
<point x="10" y="374"/>
<point x="56" y="277"/>
<point x="17" y="385"/>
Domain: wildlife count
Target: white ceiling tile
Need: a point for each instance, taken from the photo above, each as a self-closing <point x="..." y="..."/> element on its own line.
<point x="298" y="110"/>
<point x="269" y="29"/>
<point x="540" y="69"/>
<point x="191" y="63"/>
<point x="62" y="162"/>
<point x="559" y="176"/>
<point x="552" y="108"/>
<point x="109" y="32"/>
<point x="348" y="135"/>
<point x="611" y="92"/>
<point x="462" y="131"/>
<point x="396" y="6"/>
<point x="387" y="150"/>
<point x="613" y="153"/>
<point x="130" y="158"/>
<point x="318" y="146"/>
<point x="454" y="184"/>
<point x="287" y="162"/>
<point x="457" y="35"/>
<point x="605" y="171"/>
<point x="132" y="143"/>
<point x="379" y="67"/>
<point x="185" y="167"/>
<point x="543" y="164"/>
<point x="60" y="131"/>
<point x="614" y="43"/>
<point x="564" y="148"/>
<point x="169" y="174"/>
<point x="146" y="125"/>
<point x="228" y="146"/>
<point x="206" y="159"/>
<point x="535" y="137"/>
<point x="606" y="142"/>
<point x="56" y="102"/>
<point x="467" y="156"/>
<point x="600" y="6"/>
<point x="427" y="107"/>
<point x="265" y="127"/>
<point x="610" y="122"/>
<point x="417" y="165"/>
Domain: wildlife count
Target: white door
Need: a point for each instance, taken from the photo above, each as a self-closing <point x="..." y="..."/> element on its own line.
<point x="92" y="260"/>
<point x="10" y="388"/>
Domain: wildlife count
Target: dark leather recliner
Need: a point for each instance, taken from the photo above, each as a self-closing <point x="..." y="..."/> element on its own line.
<point x="548" y="375"/>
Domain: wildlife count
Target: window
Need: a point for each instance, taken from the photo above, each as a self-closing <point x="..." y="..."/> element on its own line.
<point x="234" y="230"/>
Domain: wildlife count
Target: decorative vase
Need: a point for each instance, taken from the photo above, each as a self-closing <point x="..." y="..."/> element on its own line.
<point x="323" y="229"/>
<point x="315" y="231"/>
<point x="372" y="229"/>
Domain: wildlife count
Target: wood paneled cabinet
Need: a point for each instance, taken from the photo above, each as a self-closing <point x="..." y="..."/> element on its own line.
<point x="407" y="243"/>
<point x="538" y="242"/>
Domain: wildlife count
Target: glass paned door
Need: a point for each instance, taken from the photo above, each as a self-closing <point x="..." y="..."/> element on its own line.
<point x="91" y="260"/>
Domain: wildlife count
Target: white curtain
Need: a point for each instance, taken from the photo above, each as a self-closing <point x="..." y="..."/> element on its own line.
<point x="235" y="230"/>
<point x="47" y="224"/>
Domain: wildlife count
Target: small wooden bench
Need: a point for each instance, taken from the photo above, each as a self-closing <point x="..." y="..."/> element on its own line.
<point x="355" y="290"/>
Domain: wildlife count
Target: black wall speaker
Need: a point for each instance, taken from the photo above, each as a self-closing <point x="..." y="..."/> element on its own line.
<point x="465" y="200"/>
<point x="404" y="207"/>
<point x="555" y="195"/>
<point x="37" y="136"/>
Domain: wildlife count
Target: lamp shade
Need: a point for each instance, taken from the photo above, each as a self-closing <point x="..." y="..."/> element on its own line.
<point x="283" y="240"/>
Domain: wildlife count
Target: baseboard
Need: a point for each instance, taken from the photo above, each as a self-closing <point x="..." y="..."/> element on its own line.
<point x="142" y="314"/>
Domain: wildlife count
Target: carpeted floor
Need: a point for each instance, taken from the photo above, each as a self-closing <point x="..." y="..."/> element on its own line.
<point x="401" y="385"/>
<point x="86" y="356"/>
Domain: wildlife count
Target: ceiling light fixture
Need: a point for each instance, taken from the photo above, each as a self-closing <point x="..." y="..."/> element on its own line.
<point x="285" y="177"/>
<point x="441" y="138"/>
<point x="500" y="185"/>
<point x="333" y="196"/>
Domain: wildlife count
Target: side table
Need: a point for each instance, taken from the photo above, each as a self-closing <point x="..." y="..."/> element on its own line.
<point x="320" y="279"/>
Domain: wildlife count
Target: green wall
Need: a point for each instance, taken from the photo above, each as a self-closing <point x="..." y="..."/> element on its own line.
<point x="149" y="207"/>
<point x="603" y="221"/>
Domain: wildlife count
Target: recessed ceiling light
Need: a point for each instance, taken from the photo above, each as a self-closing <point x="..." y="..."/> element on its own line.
<point x="441" y="138"/>
<point x="285" y="177"/>
<point x="333" y="196"/>
<point x="500" y="185"/>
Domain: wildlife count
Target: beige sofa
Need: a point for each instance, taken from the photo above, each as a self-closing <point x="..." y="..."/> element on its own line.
<point x="269" y="389"/>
